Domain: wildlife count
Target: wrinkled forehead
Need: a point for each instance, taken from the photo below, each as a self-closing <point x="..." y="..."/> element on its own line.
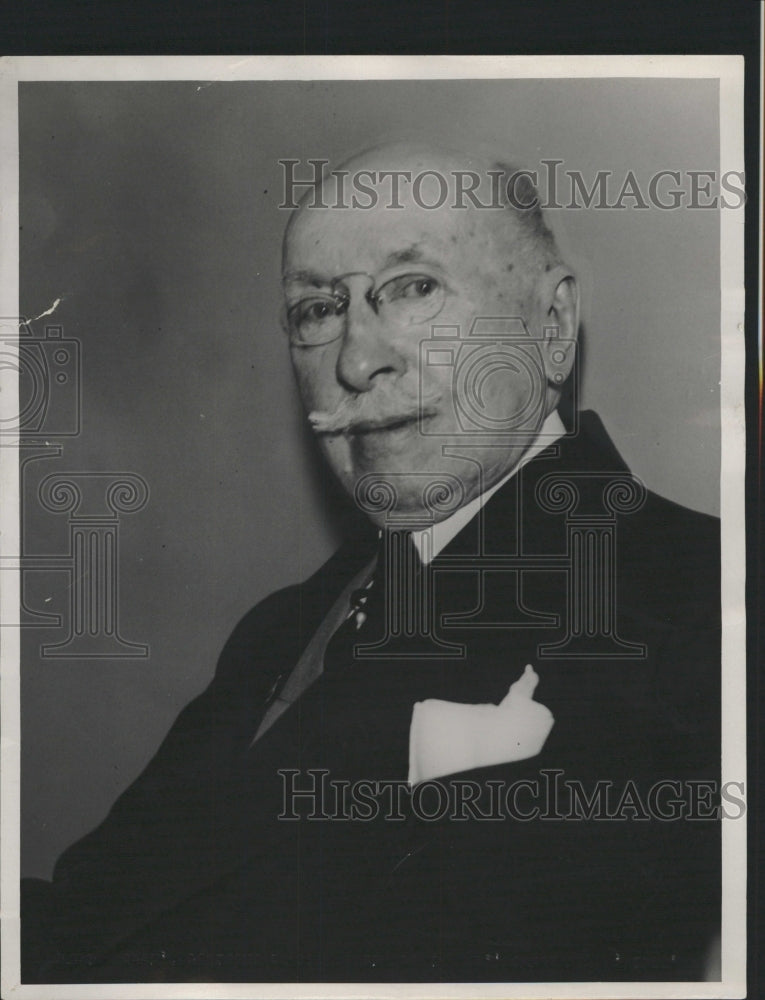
<point x="332" y="241"/>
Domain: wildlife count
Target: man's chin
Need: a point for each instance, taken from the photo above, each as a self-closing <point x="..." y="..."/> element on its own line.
<point x="406" y="488"/>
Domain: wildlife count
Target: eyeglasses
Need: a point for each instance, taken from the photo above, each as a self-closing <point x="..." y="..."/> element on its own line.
<point x="402" y="300"/>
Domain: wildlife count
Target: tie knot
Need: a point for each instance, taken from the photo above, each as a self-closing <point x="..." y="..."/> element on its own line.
<point x="396" y="574"/>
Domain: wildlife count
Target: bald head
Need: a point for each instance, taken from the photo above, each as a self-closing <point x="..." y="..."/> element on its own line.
<point x="468" y="194"/>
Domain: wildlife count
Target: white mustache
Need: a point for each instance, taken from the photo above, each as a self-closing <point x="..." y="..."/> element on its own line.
<point x="384" y="406"/>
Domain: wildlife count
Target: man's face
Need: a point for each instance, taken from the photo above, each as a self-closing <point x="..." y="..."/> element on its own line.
<point x="381" y="303"/>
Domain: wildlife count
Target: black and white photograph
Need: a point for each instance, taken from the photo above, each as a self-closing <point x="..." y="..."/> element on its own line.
<point x="372" y="565"/>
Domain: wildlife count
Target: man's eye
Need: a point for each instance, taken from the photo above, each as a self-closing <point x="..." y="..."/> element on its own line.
<point x="422" y="287"/>
<point x="316" y="320"/>
<point x="411" y="298"/>
<point x="312" y="311"/>
<point x="317" y="310"/>
<point x="416" y="288"/>
<point x="410" y="287"/>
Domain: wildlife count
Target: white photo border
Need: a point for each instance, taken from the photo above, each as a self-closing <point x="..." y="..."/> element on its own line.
<point x="729" y="71"/>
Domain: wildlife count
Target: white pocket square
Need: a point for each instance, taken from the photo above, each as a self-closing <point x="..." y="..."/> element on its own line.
<point x="446" y="737"/>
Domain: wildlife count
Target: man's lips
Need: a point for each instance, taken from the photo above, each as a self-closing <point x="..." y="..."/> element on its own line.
<point x="388" y="408"/>
<point x="392" y="422"/>
<point x="383" y="424"/>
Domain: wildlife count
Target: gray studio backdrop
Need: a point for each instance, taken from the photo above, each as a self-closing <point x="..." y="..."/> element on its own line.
<point x="151" y="211"/>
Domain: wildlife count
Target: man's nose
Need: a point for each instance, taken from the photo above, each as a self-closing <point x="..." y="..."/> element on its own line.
<point x="367" y="350"/>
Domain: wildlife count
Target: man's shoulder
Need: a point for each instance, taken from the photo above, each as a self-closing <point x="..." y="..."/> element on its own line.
<point x="677" y="530"/>
<point x="673" y="548"/>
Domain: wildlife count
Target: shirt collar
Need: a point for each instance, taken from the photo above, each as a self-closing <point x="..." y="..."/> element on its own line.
<point x="441" y="533"/>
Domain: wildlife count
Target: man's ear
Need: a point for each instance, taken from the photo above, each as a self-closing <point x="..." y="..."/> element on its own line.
<point x="560" y="323"/>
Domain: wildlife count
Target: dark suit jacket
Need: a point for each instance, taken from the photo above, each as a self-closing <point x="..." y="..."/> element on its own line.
<point x="192" y="875"/>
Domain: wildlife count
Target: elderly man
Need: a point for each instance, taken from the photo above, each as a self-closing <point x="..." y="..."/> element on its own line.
<point x="482" y="742"/>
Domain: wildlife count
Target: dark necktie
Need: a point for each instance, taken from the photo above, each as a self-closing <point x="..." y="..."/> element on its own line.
<point x="387" y="612"/>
